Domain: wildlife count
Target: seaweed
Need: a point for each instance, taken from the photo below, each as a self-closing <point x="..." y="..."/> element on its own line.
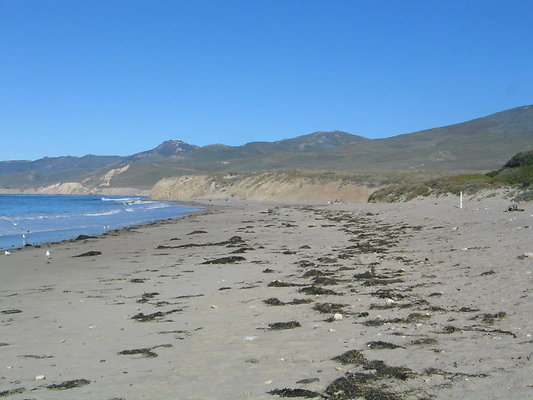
<point x="449" y="329"/>
<point x="490" y="318"/>
<point x="313" y="272"/>
<point x="84" y="237"/>
<point x="225" y="260"/>
<point x="11" y="311"/>
<point x="384" y="370"/>
<point x="322" y="280"/>
<point x="328" y="308"/>
<point x="365" y="275"/>
<point x="278" y="283"/>
<point x="353" y="386"/>
<point x="388" y="294"/>
<point x="284" y="325"/>
<point x="268" y="271"/>
<point x="378" y="281"/>
<point x="468" y="309"/>
<point x="146" y="296"/>
<point x="425" y="340"/>
<point x="308" y="394"/>
<point x="355" y="357"/>
<point x="315" y="290"/>
<point x="300" y="301"/>
<point x="241" y="250"/>
<point x="234" y="240"/>
<point x="305" y="263"/>
<point x="6" y="393"/>
<point x="141" y="317"/>
<point x="351" y="357"/>
<point x="37" y="357"/>
<point x="411" y="318"/>
<point x="69" y="384"/>
<point x="273" y="301"/>
<point x="327" y="260"/>
<point x="89" y="254"/>
<point x="308" y="380"/>
<point x="145" y="352"/>
<point x="380" y="345"/>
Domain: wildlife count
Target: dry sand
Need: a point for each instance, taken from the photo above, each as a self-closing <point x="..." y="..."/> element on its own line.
<point x="451" y="288"/>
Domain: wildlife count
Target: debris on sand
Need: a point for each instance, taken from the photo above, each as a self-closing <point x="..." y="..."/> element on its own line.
<point x="351" y="357"/>
<point x="89" y="254"/>
<point x="352" y="386"/>
<point x="308" y="394"/>
<point x="328" y="308"/>
<point x="141" y="317"/>
<point x="145" y="352"/>
<point x="84" y="237"/>
<point x="284" y="325"/>
<point x="6" y="393"/>
<point x="69" y="384"/>
<point x="278" y="283"/>
<point x="380" y="345"/>
<point x="225" y="260"/>
<point x="311" y="290"/>
<point x="273" y="301"/>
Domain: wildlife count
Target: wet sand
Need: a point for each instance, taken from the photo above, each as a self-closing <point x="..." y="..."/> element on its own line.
<point x="420" y="300"/>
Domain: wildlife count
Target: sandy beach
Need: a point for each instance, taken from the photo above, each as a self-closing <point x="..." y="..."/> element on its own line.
<point x="419" y="300"/>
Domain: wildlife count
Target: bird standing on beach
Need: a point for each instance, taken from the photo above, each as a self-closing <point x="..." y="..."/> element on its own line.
<point x="6" y="253"/>
<point x="48" y="254"/>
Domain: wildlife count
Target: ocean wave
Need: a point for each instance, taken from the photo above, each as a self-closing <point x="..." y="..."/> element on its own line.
<point x="111" y="212"/>
<point x="123" y="200"/>
<point x="158" y="205"/>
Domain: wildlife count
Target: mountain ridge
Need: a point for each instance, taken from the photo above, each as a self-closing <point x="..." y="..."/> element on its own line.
<point x="483" y="143"/>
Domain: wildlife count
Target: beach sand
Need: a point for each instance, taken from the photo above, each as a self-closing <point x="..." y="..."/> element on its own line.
<point x="422" y="300"/>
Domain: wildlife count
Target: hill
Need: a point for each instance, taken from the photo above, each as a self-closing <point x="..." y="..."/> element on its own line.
<point x="516" y="176"/>
<point x="478" y="145"/>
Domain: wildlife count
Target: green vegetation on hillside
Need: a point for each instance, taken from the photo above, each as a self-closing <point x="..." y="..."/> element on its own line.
<point x="470" y="147"/>
<point x="517" y="173"/>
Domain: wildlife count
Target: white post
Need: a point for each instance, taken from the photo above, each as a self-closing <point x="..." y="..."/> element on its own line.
<point x="460" y="199"/>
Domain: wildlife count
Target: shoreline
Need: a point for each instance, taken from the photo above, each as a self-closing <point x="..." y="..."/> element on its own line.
<point x="72" y="234"/>
<point x="245" y="298"/>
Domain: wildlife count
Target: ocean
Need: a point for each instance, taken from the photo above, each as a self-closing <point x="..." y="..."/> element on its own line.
<point x="39" y="219"/>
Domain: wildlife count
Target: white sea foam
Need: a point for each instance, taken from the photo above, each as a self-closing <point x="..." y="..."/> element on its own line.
<point x="111" y="212"/>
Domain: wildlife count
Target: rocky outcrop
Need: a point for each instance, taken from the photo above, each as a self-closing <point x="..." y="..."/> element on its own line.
<point x="286" y="186"/>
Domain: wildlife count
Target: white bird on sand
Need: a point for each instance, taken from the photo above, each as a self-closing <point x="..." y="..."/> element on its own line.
<point x="7" y="253"/>
<point x="48" y="254"/>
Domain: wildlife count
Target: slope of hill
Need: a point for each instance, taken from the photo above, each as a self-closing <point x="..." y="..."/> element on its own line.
<point x="479" y="145"/>
<point x="516" y="177"/>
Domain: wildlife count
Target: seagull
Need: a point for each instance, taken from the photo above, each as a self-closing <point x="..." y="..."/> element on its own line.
<point x="48" y="253"/>
<point x="7" y="253"/>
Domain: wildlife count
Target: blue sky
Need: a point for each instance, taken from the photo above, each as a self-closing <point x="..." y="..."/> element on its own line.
<point x="121" y="76"/>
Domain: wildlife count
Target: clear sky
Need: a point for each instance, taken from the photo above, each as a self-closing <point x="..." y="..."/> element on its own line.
<point x="115" y="77"/>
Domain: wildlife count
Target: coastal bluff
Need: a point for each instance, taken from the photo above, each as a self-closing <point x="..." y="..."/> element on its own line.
<point x="279" y="186"/>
